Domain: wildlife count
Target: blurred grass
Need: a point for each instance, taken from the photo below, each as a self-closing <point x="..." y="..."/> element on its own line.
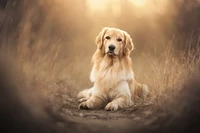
<point x="54" y="52"/>
<point x="166" y="73"/>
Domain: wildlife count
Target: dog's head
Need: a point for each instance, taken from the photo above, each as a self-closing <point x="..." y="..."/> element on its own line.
<point x="114" y="42"/>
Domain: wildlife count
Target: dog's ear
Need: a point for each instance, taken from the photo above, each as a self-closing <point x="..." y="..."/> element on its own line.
<point x="99" y="38"/>
<point x="128" y="46"/>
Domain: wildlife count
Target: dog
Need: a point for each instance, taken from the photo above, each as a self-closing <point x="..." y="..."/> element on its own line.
<point x="114" y="84"/>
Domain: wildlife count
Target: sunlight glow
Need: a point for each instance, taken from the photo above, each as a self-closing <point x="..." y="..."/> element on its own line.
<point x="97" y="5"/>
<point x="115" y="6"/>
<point x="139" y="3"/>
<point x="101" y="5"/>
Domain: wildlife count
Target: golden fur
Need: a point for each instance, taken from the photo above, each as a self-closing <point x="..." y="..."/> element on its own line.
<point x="114" y="83"/>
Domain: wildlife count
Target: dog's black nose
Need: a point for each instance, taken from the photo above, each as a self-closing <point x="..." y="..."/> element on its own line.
<point x="111" y="47"/>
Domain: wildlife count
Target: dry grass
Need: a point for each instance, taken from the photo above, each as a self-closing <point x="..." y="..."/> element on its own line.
<point x="60" y="63"/>
<point x="166" y="73"/>
<point x="46" y="69"/>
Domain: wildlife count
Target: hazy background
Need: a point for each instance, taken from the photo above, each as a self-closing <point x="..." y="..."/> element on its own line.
<point x="46" y="47"/>
<point x="57" y="36"/>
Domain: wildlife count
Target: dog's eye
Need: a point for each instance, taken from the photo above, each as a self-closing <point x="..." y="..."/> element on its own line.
<point x="107" y="37"/>
<point x="119" y="39"/>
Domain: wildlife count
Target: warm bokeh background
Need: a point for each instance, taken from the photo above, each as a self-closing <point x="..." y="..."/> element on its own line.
<point x="56" y="37"/>
<point x="51" y="43"/>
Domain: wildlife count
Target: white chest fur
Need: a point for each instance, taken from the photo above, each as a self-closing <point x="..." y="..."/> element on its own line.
<point x="109" y="73"/>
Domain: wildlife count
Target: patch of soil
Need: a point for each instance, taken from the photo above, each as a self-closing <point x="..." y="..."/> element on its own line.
<point x="138" y="114"/>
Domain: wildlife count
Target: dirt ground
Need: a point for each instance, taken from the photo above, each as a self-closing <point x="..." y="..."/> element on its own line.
<point x="178" y="113"/>
<point x="69" y="106"/>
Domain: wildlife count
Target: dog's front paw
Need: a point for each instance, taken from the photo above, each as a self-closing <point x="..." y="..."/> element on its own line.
<point x="112" y="106"/>
<point x="82" y="100"/>
<point x="85" y="105"/>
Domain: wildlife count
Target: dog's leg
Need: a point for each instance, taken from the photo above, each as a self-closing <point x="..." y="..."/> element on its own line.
<point x="83" y="99"/>
<point x="138" y="90"/>
<point x="141" y="90"/>
<point x="119" y="103"/>
<point x="122" y="97"/>
<point x="83" y="94"/>
<point x="94" y="102"/>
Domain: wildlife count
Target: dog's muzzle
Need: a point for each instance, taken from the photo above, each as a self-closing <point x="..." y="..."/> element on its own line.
<point x="111" y="53"/>
<point x="111" y="49"/>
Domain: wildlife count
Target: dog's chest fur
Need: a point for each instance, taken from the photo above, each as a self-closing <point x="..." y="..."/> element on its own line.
<point x="110" y="71"/>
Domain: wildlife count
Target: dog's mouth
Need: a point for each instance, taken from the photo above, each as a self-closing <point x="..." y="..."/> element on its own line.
<point x="111" y="53"/>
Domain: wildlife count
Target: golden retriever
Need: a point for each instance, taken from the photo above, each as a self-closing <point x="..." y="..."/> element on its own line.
<point x="114" y="83"/>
